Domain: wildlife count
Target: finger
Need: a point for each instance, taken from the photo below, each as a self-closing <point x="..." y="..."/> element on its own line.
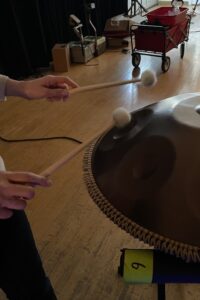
<point x="61" y="80"/>
<point x="15" y="203"/>
<point x="5" y="213"/>
<point x="28" y="178"/>
<point x="61" y="85"/>
<point x="65" y="95"/>
<point x="19" y="191"/>
<point x="57" y="93"/>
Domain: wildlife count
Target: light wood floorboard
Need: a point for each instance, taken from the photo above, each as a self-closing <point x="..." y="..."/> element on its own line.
<point x="79" y="246"/>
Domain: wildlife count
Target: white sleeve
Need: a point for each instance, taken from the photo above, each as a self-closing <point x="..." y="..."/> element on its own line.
<point x="3" y="80"/>
<point x="2" y="165"/>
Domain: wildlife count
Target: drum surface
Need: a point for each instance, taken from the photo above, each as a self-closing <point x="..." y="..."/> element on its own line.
<point x="146" y="177"/>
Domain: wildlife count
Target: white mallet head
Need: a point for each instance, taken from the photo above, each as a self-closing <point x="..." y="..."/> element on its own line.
<point x="121" y="117"/>
<point x="148" y="78"/>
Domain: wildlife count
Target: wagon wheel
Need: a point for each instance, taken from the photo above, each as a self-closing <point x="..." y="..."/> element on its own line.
<point x="179" y="3"/>
<point x="182" y="50"/>
<point x="136" y="58"/>
<point x="165" y="63"/>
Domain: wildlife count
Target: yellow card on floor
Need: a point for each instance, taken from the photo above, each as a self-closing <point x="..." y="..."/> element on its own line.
<point x="138" y="266"/>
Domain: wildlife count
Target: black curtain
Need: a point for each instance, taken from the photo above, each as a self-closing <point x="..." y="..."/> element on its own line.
<point x="22" y="41"/>
<point x="29" y="30"/>
<point x="106" y="9"/>
<point x="55" y="20"/>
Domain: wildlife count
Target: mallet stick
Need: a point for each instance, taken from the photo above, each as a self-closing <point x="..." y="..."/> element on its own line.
<point x="102" y="85"/>
<point x="65" y="159"/>
<point x="121" y="118"/>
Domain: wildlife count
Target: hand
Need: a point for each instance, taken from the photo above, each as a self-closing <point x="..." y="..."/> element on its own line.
<point x="16" y="188"/>
<point x="53" y="88"/>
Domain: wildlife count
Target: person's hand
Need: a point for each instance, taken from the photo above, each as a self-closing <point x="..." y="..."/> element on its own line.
<point x="53" y="88"/>
<point x="16" y="188"/>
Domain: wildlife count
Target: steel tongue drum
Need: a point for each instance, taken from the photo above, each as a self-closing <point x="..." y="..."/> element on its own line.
<point x="146" y="177"/>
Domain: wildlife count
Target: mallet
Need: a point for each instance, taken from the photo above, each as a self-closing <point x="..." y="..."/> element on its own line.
<point x="121" y="118"/>
<point x="148" y="78"/>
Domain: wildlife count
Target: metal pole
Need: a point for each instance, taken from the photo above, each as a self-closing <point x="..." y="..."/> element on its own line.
<point x="161" y="292"/>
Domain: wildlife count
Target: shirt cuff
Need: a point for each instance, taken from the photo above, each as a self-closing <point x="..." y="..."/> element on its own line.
<point x="3" y="80"/>
<point x="2" y="165"/>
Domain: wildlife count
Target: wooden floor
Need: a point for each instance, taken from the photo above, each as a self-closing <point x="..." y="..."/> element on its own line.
<point x="79" y="246"/>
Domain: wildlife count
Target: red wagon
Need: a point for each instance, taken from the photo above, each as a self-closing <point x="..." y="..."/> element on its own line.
<point x="164" y="30"/>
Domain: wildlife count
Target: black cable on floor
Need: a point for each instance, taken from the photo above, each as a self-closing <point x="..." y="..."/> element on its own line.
<point x="39" y="139"/>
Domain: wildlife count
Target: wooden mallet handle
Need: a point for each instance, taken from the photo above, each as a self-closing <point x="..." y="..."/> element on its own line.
<point x="102" y="85"/>
<point x="65" y="159"/>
